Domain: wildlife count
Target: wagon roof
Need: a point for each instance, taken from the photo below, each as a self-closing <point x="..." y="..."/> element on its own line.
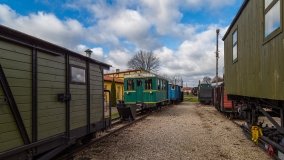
<point x="236" y="18"/>
<point x="143" y="75"/>
<point x="28" y="40"/>
<point x="110" y="79"/>
<point x="126" y="71"/>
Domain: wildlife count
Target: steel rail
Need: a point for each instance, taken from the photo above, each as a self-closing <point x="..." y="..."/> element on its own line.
<point x="77" y="149"/>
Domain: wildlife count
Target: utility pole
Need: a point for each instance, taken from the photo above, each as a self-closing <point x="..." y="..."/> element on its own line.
<point x="217" y="54"/>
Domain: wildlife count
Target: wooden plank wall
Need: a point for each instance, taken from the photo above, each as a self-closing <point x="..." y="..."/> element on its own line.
<point x="51" y="82"/>
<point x="96" y="82"/>
<point x="78" y="104"/>
<point x="259" y="69"/>
<point x="16" y="62"/>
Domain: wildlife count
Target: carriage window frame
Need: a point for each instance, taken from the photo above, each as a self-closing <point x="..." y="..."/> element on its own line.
<point x="72" y="81"/>
<point x="158" y="84"/>
<point x="235" y="44"/>
<point x="139" y="83"/>
<point x="148" y="84"/>
<point x="276" y="31"/>
<point x="130" y="86"/>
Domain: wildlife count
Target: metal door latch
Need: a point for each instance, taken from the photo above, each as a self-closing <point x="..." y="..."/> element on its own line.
<point x="62" y="97"/>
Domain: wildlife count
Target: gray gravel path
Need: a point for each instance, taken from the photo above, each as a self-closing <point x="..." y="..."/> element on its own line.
<point x="186" y="131"/>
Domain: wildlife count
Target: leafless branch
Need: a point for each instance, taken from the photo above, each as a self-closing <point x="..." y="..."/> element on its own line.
<point x="145" y="61"/>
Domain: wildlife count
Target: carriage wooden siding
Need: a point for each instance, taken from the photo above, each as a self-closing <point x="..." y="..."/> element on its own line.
<point x="260" y="60"/>
<point x="37" y="73"/>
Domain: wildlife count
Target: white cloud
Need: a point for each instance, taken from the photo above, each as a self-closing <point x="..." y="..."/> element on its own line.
<point x="44" y="25"/>
<point x="194" y="58"/>
<point x="118" y="59"/>
<point x="207" y="4"/>
<point x="98" y="54"/>
<point x="135" y="23"/>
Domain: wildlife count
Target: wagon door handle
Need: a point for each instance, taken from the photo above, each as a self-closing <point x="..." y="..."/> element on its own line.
<point x="62" y="97"/>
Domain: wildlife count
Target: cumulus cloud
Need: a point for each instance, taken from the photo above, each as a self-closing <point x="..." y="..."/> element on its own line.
<point x="44" y="25"/>
<point x="194" y="58"/>
<point x="114" y="32"/>
<point x="118" y="59"/>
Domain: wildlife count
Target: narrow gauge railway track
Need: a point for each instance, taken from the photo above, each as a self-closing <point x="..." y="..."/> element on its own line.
<point x="263" y="142"/>
<point x="117" y="125"/>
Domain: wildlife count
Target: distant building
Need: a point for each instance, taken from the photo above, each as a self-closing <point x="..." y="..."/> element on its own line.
<point x="107" y="86"/>
<point x="186" y="90"/>
<point x="120" y="74"/>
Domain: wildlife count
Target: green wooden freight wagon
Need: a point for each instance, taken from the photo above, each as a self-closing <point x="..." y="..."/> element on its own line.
<point x="145" y="90"/>
<point x="49" y="96"/>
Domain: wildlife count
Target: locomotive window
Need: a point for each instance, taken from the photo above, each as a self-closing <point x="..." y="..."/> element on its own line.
<point x="78" y="75"/>
<point x="173" y="87"/>
<point x="235" y="46"/>
<point x="272" y="18"/>
<point x="148" y="84"/>
<point x="130" y="85"/>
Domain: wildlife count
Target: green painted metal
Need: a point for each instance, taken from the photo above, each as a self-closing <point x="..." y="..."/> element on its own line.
<point x="140" y="85"/>
<point x="141" y="95"/>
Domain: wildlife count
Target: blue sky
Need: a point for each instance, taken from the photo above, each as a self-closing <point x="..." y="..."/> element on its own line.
<point x="180" y="32"/>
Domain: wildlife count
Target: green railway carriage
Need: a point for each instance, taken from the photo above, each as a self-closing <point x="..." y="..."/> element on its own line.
<point x="49" y="96"/>
<point x="146" y="89"/>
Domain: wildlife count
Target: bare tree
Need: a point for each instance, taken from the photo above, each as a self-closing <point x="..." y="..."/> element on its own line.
<point x="145" y="61"/>
<point x="207" y="80"/>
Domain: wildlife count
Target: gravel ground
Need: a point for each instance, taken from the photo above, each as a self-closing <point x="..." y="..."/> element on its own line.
<point x="185" y="131"/>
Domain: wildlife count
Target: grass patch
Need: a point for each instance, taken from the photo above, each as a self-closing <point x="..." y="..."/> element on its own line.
<point x="114" y="115"/>
<point x="190" y="98"/>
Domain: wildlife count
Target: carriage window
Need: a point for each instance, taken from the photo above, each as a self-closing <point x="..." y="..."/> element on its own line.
<point x="148" y="84"/>
<point x="78" y="75"/>
<point x="173" y="87"/>
<point x="159" y="87"/>
<point x="267" y="3"/>
<point x="235" y="46"/>
<point x="130" y="85"/>
<point x="139" y="83"/>
<point x="272" y="17"/>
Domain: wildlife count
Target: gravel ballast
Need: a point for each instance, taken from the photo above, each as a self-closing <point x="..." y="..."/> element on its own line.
<point x="186" y="131"/>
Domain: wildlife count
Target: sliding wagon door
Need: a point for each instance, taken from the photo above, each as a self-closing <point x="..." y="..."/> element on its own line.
<point x="78" y="91"/>
<point x="51" y="82"/>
